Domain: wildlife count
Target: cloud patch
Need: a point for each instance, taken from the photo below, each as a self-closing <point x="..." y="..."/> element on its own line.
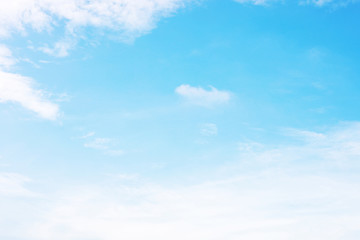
<point x="202" y="97"/>
<point x="6" y="58"/>
<point x="273" y="192"/>
<point x="12" y="185"/>
<point x="107" y="145"/>
<point x="332" y="3"/>
<point x="255" y="2"/>
<point x="19" y="89"/>
<point x="127" y="17"/>
<point x="317" y="3"/>
<point x="60" y="48"/>
<point x="209" y="129"/>
<point x="257" y="206"/>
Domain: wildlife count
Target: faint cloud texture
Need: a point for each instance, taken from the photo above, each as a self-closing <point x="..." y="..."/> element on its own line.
<point x="202" y="97"/>
<point x="19" y="89"/>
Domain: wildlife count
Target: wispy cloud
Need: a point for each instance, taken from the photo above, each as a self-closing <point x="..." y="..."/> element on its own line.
<point x="202" y="97"/>
<point x="12" y="185"/>
<point x="107" y="145"/>
<point x="331" y="3"/>
<point x="273" y="192"/>
<point x="60" y="48"/>
<point x="318" y="3"/>
<point x="259" y="206"/>
<point x="90" y="134"/>
<point x="19" y="89"/>
<point x="338" y="147"/>
<point x="256" y="2"/>
<point x="6" y="58"/>
<point x="99" y="143"/>
<point x="130" y="19"/>
<point x="209" y="129"/>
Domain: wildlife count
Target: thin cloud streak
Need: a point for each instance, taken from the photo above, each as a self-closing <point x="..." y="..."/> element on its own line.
<point x="19" y="89"/>
<point x="129" y="18"/>
<point x="107" y="145"/>
<point x="202" y="97"/>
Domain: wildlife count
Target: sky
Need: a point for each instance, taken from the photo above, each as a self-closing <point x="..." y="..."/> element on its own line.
<point x="179" y="119"/>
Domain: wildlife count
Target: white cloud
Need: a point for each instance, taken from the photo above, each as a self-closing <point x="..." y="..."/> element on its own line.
<point x="332" y="3"/>
<point x="255" y="2"/>
<point x="267" y="205"/>
<point x="16" y="15"/>
<point x="99" y="143"/>
<point x="293" y="197"/>
<point x="201" y="97"/>
<point x="6" y="58"/>
<point x="12" y="184"/>
<point x="249" y="146"/>
<point x="90" y="134"/>
<point x="19" y="89"/>
<point x="60" y="49"/>
<point x="128" y="17"/>
<point x="318" y="3"/>
<point x="337" y="148"/>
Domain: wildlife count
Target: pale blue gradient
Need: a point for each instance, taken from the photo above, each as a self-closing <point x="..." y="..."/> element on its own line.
<point x="292" y="72"/>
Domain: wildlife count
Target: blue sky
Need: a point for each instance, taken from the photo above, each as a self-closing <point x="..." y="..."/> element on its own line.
<point x="179" y="119"/>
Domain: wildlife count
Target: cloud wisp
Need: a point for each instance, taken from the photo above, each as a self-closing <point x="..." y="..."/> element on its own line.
<point x="19" y="89"/>
<point x="130" y="19"/>
<point x="317" y="3"/>
<point x="202" y="97"/>
<point x="6" y="58"/>
<point x="12" y="185"/>
<point x="331" y="3"/>
<point x="255" y="2"/>
<point x="288" y="195"/>
<point x="258" y="206"/>
<point x="107" y="145"/>
<point x="127" y="18"/>
<point x="337" y="148"/>
<point x="209" y="129"/>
